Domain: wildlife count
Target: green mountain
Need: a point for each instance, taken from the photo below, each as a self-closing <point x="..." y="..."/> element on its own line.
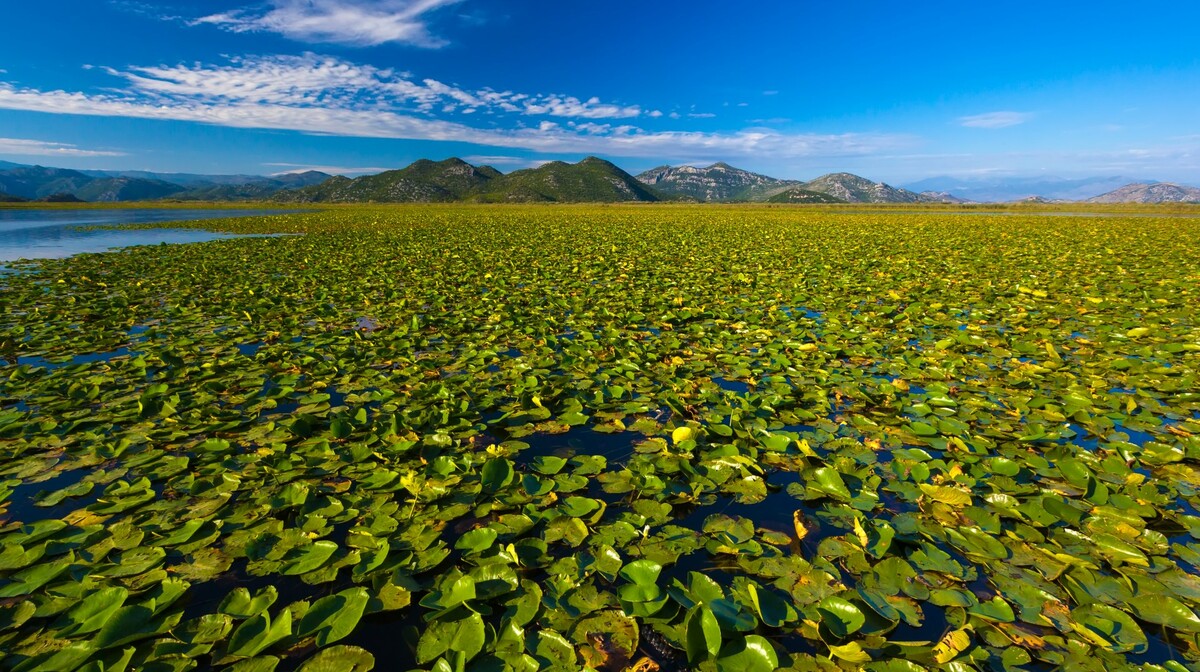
<point x="855" y="189"/>
<point x="424" y="181"/>
<point x="798" y="195"/>
<point x="718" y="182"/>
<point x="8" y="198"/>
<point x="590" y="180"/>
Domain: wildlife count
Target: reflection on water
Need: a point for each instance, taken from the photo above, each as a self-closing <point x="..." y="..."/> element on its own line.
<point x="53" y="234"/>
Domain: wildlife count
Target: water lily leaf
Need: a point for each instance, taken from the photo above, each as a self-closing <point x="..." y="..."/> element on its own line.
<point x="829" y="482"/>
<point x="309" y="558"/>
<point x="681" y="434"/>
<point x="947" y="495"/>
<point x="340" y="658"/>
<point x="641" y="572"/>
<point x="840" y="616"/>
<point x="92" y="612"/>
<point x="1110" y="627"/>
<point x="460" y="631"/>
<point x="258" y="633"/>
<point x="496" y="474"/>
<point x="703" y="634"/>
<point x="477" y="540"/>
<point x="335" y="616"/>
<point x="772" y="610"/>
<point x="130" y="624"/>
<point x="751" y="653"/>
<point x="951" y="645"/>
<point x="1165" y="610"/>
<point x="239" y="604"/>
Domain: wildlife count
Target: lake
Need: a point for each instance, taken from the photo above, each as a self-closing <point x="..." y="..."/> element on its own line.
<point x="54" y="233"/>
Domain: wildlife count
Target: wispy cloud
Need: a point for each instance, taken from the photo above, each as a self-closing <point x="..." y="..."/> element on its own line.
<point x="311" y="79"/>
<point x="329" y="96"/>
<point x="293" y="168"/>
<point x="23" y="147"/>
<point x="361" y="23"/>
<point x="1001" y="119"/>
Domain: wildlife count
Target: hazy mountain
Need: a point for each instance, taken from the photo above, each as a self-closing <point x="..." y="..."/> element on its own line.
<point x="1001" y="189"/>
<point x="798" y="195"/>
<point x="37" y="182"/>
<point x="182" y="179"/>
<point x="8" y="198"/>
<point x="590" y="180"/>
<point x="257" y="189"/>
<point x="855" y="189"/>
<point x="33" y="182"/>
<point x="718" y="182"/>
<point x="940" y="197"/>
<point x="107" y="189"/>
<point x="1157" y="192"/>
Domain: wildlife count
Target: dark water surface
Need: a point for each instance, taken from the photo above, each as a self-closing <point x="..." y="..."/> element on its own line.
<point x="54" y="234"/>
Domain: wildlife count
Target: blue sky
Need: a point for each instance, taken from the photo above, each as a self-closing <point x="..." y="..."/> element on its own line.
<point x="892" y="91"/>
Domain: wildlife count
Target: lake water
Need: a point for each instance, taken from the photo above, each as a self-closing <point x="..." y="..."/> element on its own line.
<point x="54" y="233"/>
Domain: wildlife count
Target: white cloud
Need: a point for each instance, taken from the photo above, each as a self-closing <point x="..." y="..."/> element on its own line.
<point x="311" y="79"/>
<point x="1002" y="119"/>
<point x="701" y="115"/>
<point x="328" y="96"/>
<point x="22" y="147"/>
<point x="360" y="23"/>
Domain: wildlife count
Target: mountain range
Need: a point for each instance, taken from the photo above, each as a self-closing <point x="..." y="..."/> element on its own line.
<point x="998" y="189"/>
<point x="1155" y="192"/>
<point x="590" y="180"/>
<point x="21" y="182"/>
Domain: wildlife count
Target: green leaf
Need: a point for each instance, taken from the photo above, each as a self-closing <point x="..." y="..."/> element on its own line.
<point x="309" y="558"/>
<point x="340" y="658"/>
<point x="703" y="634"/>
<point x="641" y="572"/>
<point x="747" y="654"/>
<point x="1165" y="610"/>
<point x="828" y="481"/>
<point x="840" y="616"/>
<point x="462" y="632"/>
<point x="335" y="616"/>
<point x="239" y="604"/>
<point x="477" y="540"/>
<point x="496" y="474"/>
<point x="1111" y="628"/>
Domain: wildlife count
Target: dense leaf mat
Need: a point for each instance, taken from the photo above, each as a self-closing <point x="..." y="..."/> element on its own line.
<point x="683" y="437"/>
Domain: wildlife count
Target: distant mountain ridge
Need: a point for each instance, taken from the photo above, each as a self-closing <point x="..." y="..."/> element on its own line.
<point x="591" y="180"/>
<point x="40" y="182"/>
<point x="997" y="189"/>
<point x="1156" y="192"/>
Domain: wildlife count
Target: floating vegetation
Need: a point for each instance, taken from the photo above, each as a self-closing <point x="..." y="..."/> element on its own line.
<point x="458" y="438"/>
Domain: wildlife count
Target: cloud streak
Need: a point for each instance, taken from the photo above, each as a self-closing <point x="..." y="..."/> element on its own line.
<point x="24" y="147"/>
<point x="328" y="96"/>
<point x="359" y="23"/>
<point x="1001" y="119"/>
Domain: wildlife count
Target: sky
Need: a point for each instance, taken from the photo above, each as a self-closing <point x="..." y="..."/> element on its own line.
<point x="794" y="89"/>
